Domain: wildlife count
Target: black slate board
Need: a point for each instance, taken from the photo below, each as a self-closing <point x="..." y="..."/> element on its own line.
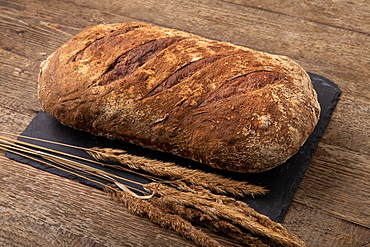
<point x="282" y="181"/>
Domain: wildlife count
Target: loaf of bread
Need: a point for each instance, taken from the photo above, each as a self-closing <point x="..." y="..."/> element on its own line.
<point x="223" y="105"/>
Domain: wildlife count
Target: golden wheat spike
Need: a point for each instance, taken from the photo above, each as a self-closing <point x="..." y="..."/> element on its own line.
<point x="214" y="182"/>
<point x="222" y="207"/>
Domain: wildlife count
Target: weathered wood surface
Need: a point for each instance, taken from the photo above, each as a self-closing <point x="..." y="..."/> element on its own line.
<point x="329" y="38"/>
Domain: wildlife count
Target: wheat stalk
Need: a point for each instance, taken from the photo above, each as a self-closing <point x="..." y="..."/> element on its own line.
<point x="64" y="164"/>
<point x="222" y="207"/>
<point x="13" y="141"/>
<point x="229" y="202"/>
<point x="210" y="221"/>
<point x="144" y="208"/>
<point x="176" y="203"/>
<point x="236" y="233"/>
<point x="214" y="182"/>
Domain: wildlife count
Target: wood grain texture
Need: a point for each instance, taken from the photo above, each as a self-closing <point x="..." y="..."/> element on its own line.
<point x="53" y="209"/>
<point x="318" y="228"/>
<point x="337" y="190"/>
<point x="329" y="38"/>
<point x="318" y="47"/>
<point x="330" y="13"/>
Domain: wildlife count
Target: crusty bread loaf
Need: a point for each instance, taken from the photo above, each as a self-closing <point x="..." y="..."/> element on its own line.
<point x="217" y="103"/>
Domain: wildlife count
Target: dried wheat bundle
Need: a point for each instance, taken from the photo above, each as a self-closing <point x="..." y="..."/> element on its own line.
<point x="213" y="223"/>
<point x="158" y="216"/>
<point x="228" y="201"/>
<point x="214" y="182"/>
<point x="220" y="207"/>
<point x="180" y="204"/>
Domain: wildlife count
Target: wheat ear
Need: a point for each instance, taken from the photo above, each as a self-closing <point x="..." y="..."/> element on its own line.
<point x="240" y="206"/>
<point x="213" y="223"/>
<point x="214" y="182"/>
<point x="222" y="207"/>
<point x="144" y="208"/>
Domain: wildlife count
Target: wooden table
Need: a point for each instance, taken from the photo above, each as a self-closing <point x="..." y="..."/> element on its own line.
<point x="329" y="38"/>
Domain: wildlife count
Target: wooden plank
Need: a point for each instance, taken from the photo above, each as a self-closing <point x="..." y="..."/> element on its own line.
<point x="36" y="29"/>
<point x="349" y="126"/>
<point x="331" y="207"/>
<point x="24" y="37"/>
<point x="14" y="121"/>
<point x="271" y="31"/>
<point x="18" y="92"/>
<point x="330" y="13"/>
<point x="46" y="209"/>
<point x="18" y="82"/>
<point x="338" y="182"/>
<point x="318" y="228"/>
<point x="332" y="51"/>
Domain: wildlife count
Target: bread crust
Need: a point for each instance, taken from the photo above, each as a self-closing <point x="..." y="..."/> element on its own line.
<point x="223" y="105"/>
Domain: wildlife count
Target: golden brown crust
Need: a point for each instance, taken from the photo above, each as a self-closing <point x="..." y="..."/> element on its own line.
<point x="224" y="105"/>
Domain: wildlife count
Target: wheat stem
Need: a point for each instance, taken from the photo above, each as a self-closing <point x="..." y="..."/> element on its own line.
<point x="66" y="165"/>
<point x="224" y="208"/>
<point x="13" y="142"/>
<point x="146" y="209"/>
<point x="214" y="182"/>
<point x="48" y="163"/>
<point x="3" y="138"/>
<point x="210" y="221"/>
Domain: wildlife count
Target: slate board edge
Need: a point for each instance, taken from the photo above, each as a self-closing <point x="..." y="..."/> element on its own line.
<point x="320" y="131"/>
